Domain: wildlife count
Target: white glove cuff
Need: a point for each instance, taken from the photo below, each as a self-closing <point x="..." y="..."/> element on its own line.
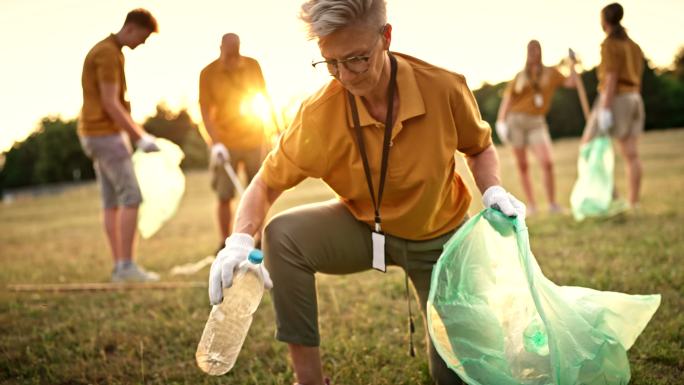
<point x="490" y="192"/>
<point x="241" y="240"/>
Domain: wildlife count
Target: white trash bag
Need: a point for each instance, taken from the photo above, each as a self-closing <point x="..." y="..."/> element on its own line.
<point x="162" y="184"/>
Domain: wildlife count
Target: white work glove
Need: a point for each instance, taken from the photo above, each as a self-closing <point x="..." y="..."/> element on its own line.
<point x="605" y="120"/>
<point x="146" y="143"/>
<point x="219" y="154"/>
<point x="238" y="246"/>
<point x="502" y="131"/>
<point x="497" y="198"/>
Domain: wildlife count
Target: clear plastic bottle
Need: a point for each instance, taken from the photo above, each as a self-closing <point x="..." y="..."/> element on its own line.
<point x="228" y="323"/>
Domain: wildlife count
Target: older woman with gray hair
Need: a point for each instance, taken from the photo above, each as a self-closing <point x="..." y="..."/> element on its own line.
<point x="382" y="134"/>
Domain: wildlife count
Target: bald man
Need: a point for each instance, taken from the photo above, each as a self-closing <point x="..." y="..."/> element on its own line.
<point x="227" y="88"/>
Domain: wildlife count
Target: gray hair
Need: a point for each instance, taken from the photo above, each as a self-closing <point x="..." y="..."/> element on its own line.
<point x="324" y="17"/>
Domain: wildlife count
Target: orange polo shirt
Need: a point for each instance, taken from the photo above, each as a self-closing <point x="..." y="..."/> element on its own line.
<point x="104" y="63"/>
<point x="523" y="101"/>
<point x="231" y="93"/>
<point x="424" y="197"/>
<point x="623" y="57"/>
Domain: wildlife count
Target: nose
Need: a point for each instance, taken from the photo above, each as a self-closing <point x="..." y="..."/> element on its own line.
<point x="344" y="75"/>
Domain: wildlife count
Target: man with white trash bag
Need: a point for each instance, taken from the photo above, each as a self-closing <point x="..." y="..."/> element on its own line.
<point x="230" y="89"/>
<point x="105" y="129"/>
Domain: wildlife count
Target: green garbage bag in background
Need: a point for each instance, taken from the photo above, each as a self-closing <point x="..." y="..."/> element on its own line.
<point x="496" y="319"/>
<point x="162" y="184"/>
<point x="592" y="194"/>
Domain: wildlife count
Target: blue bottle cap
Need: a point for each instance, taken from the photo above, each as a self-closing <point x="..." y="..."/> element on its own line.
<point x="256" y="256"/>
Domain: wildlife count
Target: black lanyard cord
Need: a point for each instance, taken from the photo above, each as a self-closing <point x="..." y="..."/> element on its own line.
<point x="385" y="145"/>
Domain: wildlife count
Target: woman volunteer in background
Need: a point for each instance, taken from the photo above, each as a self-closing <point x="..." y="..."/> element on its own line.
<point x="619" y="109"/>
<point x="521" y="120"/>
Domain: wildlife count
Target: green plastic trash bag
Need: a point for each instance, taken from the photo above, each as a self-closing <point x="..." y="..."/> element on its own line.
<point x="592" y="194"/>
<point x="496" y="320"/>
<point x="162" y="184"/>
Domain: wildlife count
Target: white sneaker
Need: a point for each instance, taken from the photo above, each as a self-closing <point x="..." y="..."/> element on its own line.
<point x="134" y="273"/>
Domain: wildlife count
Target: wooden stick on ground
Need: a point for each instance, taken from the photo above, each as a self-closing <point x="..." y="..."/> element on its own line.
<point x="104" y="286"/>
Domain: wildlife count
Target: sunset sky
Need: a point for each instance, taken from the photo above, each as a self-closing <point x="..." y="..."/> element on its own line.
<point x="44" y="43"/>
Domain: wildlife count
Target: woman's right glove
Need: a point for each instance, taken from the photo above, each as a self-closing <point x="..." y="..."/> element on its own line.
<point x="238" y="247"/>
<point x="497" y="197"/>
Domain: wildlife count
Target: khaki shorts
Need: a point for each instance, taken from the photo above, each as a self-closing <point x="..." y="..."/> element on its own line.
<point x="628" y="116"/>
<point x="527" y="130"/>
<point x="221" y="183"/>
<point x="111" y="155"/>
<point x="326" y="238"/>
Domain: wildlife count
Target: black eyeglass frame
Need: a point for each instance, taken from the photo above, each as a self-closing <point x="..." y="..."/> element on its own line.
<point x="334" y="63"/>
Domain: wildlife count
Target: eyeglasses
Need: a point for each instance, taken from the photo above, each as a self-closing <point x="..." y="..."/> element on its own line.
<point x="355" y="64"/>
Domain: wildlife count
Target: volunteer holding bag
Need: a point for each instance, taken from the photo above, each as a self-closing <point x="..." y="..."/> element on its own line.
<point x="521" y="120"/>
<point x="382" y="134"/>
<point x="619" y="108"/>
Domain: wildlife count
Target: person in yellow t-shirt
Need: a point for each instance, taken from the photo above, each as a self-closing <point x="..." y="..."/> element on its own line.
<point x="228" y="87"/>
<point x="383" y="135"/>
<point x="104" y="128"/>
<point x="619" y="109"/>
<point x="521" y="121"/>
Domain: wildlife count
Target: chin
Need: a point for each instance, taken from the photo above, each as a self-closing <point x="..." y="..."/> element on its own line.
<point x="357" y="89"/>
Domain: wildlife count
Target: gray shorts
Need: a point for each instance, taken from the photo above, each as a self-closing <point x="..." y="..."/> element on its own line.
<point x="111" y="155"/>
<point x="527" y="130"/>
<point x="628" y="116"/>
<point x="221" y="183"/>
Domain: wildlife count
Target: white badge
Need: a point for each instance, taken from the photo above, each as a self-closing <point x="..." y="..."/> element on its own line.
<point x="538" y="100"/>
<point x="378" y="251"/>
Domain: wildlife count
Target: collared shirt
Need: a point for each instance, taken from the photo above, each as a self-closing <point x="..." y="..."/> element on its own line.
<point x="522" y="98"/>
<point x="231" y="93"/>
<point x="104" y="63"/>
<point x="624" y="58"/>
<point x="424" y="197"/>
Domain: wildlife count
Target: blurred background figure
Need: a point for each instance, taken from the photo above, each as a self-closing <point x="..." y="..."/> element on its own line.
<point x="229" y="88"/>
<point x="619" y="109"/>
<point x="105" y="127"/>
<point x="521" y="121"/>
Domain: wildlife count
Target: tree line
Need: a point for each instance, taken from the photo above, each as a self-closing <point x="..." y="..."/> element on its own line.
<point x="52" y="154"/>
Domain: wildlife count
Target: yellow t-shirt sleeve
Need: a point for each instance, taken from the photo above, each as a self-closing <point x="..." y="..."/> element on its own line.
<point x="474" y="133"/>
<point x="300" y="153"/>
<point x="107" y="67"/>
<point x="259" y="78"/>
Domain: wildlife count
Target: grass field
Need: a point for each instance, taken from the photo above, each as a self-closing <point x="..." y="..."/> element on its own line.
<point x="149" y="337"/>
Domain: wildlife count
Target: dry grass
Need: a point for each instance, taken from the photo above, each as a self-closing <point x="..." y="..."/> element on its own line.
<point x="149" y="337"/>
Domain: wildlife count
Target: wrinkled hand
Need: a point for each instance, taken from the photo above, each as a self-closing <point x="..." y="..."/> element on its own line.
<point x="146" y="143"/>
<point x="228" y="259"/>
<point x="219" y="154"/>
<point x="502" y="130"/>
<point x="497" y="198"/>
<point x="605" y="120"/>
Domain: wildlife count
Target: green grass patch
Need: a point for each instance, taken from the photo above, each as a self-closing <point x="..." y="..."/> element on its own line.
<point x="149" y="337"/>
